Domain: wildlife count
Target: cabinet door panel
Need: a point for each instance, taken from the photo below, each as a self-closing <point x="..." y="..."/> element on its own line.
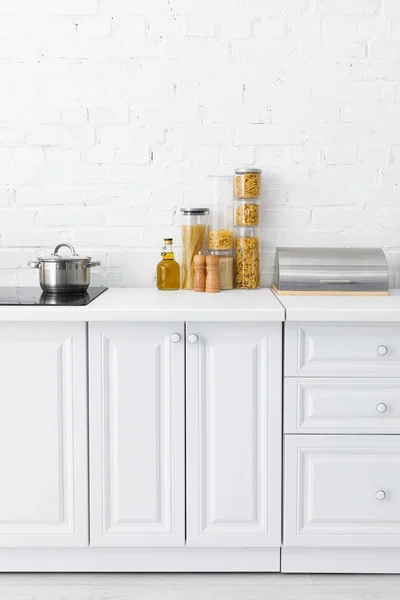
<point x="342" y="490"/>
<point x="233" y="434"/>
<point x="137" y="434"/>
<point x="43" y="434"/>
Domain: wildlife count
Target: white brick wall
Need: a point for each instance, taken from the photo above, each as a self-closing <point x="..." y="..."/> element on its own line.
<point x="112" y="113"/>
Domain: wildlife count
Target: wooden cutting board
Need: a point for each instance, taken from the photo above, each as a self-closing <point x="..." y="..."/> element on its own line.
<point x="325" y="293"/>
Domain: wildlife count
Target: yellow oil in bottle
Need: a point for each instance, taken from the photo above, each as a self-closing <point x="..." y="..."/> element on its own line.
<point x="168" y="270"/>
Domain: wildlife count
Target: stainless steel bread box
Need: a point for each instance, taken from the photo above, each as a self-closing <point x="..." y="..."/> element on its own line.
<point x="331" y="271"/>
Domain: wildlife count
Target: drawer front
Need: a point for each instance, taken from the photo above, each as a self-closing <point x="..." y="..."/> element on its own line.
<point x="342" y="491"/>
<point x="341" y="349"/>
<point x="342" y="405"/>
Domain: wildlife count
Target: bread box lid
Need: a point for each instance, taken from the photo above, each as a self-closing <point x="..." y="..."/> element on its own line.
<point x="331" y="270"/>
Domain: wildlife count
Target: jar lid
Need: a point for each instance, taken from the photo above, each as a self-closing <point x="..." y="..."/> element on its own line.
<point x="195" y="211"/>
<point x="244" y="170"/>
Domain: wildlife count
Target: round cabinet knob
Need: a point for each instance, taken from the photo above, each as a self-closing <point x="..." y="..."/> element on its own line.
<point x="380" y="495"/>
<point x="381" y="408"/>
<point x="175" y="338"/>
<point x="193" y="338"/>
<point x="382" y="350"/>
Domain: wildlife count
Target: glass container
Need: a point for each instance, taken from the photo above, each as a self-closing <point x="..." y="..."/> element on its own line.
<point x="247" y="213"/>
<point x="194" y="241"/>
<point x="226" y="262"/>
<point x="247" y="258"/>
<point x="220" y="236"/>
<point x="247" y="183"/>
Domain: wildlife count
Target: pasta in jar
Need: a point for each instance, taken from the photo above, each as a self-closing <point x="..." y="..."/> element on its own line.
<point x="248" y="260"/>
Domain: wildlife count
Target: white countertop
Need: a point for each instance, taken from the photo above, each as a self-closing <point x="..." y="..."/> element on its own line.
<point x="129" y="304"/>
<point x="343" y="308"/>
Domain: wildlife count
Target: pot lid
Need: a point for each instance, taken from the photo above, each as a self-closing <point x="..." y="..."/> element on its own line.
<point x="55" y="257"/>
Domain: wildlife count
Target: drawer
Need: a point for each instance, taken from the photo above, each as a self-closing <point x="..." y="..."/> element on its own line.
<point x="342" y="490"/>
<point x="342" y="349"/>
<point x="341" y="405"/>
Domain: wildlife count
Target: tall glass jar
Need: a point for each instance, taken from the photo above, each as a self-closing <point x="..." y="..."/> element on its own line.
<point x="194" y="223"/>
<point x="220" y="236"/>
<point x="248" y="258"/>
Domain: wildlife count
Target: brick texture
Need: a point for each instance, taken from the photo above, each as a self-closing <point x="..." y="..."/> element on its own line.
<point x="112" y="113"/>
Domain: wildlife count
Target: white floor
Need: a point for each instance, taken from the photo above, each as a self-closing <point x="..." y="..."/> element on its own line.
<point x="198" y="587"/>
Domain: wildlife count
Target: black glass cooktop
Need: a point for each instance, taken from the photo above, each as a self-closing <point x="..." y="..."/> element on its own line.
<point x="31" y="296"/>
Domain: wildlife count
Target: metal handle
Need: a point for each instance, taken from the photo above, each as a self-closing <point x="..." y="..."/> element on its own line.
<point x="34" y="264"/>
<point x="380" y="495"/>
<point x="334" y="281"/>
<point x="56" y="249"/>
<point x="175" y="338"/>
<point x="381" y="408"/>
<point x="89" y="265"/>
<point x="382" y="350"/>
<point x="193" y="338"/>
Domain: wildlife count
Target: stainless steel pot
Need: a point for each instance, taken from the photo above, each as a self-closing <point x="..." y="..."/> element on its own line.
<point x="64" y="274"/>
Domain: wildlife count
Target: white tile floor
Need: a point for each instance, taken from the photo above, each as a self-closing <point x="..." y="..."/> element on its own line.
<point x="198" y="587"/>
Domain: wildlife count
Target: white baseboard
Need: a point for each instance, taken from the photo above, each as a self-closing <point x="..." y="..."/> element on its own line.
<point x="263" y="560"/>
<point x="340" y="560"/>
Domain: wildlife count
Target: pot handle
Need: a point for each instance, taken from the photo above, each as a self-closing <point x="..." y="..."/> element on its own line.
<point x="34" y="264"/>
<point x="89" y="265"/>
<point x="56" y="249"/>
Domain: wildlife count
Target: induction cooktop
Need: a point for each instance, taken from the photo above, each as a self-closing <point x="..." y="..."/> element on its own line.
<point x="32" y="296"/>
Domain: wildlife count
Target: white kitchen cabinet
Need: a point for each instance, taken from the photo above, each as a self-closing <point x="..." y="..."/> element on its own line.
<point x="342" y="490"/>
<point x="43" y="435"/>
<point x="137" y="434"/>
<point x="233" y="432"/>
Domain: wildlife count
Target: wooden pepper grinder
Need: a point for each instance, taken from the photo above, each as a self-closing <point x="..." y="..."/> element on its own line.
<point x="199" y="281"/>
<point x="212" y="281"/>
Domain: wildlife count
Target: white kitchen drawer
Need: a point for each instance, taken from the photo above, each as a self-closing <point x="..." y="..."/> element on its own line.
<point x="342" y="490"/>
<point x="341" y="405"/>
<point x="342" y="349"/>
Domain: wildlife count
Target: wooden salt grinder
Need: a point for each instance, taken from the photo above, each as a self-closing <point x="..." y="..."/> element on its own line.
<point x="212" y="281"/>
<point x="199" y="281"/>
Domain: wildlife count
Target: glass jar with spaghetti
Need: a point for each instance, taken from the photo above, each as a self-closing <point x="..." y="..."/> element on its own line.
<point x="247" y="183"/>
<point x="194" y="241"/>
<point x="220" y="235"/>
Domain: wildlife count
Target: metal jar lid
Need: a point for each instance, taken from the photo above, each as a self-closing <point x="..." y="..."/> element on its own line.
<point x="244" y="170"/>
<point x="195" y="211"/>
<point x="55" y="257"/>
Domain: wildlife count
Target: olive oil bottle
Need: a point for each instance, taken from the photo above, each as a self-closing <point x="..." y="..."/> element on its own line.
<point x="168" y="270"/>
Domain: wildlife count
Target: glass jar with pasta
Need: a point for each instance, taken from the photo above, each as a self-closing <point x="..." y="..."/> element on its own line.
<point x="247" y="183"/>
<point x="248" y="256"/>
<point x="194" y="241"/>
<point x="247" y="213"/>
<point x="220" y="235"/>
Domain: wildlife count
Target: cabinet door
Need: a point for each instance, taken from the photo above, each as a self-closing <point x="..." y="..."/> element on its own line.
<point x="233" y="416"/>
<point x="43" y="434"/>
<point x="342" y="490"/>
<point x="137" y="434"/>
